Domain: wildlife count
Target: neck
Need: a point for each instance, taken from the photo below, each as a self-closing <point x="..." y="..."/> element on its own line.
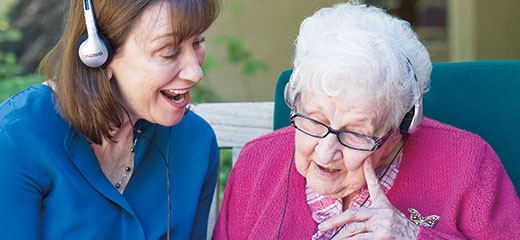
<point x="121" y="133"/>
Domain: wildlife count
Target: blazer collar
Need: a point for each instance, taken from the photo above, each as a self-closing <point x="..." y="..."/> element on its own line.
<point x="80" y="153"/>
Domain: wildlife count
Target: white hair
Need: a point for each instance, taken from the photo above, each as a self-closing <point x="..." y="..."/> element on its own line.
<point x="360" y="47"/>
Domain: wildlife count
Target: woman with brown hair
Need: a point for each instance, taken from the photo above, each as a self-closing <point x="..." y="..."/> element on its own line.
<point x="106" y="148"/>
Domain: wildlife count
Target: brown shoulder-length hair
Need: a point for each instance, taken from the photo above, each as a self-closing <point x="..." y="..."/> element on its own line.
<point x="84" y="96"/>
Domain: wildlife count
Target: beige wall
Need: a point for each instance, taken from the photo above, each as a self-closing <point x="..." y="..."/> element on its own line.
<point x="483" y="29"/>
<point x="498" y="29"/>
<point x="268" y="29"/>
<point x="462" y="30"/>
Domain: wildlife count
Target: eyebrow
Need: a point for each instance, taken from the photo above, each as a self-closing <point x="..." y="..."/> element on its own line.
<point x="315" y="108"/>
<point x="161" y="36"/>
<point x="355" y="121"/>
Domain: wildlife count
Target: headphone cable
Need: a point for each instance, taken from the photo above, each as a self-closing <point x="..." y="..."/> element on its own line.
<point x="286" y="194"/>
<point x="166" y="162"/>
<point x="168" y="190"/>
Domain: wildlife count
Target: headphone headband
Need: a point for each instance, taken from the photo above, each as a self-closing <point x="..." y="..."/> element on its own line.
<point x="94" y="49"/>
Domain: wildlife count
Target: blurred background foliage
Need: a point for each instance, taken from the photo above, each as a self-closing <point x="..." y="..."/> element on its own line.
<point x="8" y="65"/>
<point x="12" y="75"/>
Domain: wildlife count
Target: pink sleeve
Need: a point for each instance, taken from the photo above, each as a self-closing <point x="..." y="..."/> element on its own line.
<point x="491" y="207"/>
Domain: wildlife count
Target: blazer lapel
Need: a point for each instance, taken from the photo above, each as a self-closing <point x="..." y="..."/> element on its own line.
<point x="82" y="156"/>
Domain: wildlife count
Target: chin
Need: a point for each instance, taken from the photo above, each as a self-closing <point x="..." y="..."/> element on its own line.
<point x="172" y="121"/>
<point x="326" y="188"/>
<point x="332" y="194"/>
<point x="169" y="120"/>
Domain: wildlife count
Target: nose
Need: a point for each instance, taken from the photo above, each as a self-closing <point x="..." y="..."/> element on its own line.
<point x="191" y="69"/>
<point x="328" y="149"/>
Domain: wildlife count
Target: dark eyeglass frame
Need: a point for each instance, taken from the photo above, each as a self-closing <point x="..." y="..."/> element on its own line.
<point x="378" y="141"/>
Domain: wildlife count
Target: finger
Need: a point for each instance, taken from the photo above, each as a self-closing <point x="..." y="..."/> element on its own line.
<point x="349" y="216"/>
<point x="375" y="190"/>
<point x="354" y="229"/>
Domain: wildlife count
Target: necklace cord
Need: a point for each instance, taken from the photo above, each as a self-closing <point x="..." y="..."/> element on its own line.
<point x="286" y="195"/>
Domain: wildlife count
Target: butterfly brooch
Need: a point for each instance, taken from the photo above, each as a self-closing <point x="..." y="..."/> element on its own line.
<point x="418" y="219"/>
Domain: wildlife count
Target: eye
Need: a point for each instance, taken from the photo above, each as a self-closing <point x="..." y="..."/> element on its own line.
<point x="170" y="54"/>
<point x="355" y="139"/>
<point x="199" y="44"/>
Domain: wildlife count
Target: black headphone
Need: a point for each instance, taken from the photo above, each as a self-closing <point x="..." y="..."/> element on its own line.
<point x="94" y="49"/>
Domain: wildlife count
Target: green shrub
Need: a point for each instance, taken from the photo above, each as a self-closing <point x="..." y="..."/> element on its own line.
<point x="8" y="65"/>
<point x="224" y="169"/>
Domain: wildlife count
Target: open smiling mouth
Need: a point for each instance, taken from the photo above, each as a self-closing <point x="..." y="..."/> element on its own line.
<point x="176" y="96"/>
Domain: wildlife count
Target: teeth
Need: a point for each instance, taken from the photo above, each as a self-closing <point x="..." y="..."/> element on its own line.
<point x="178" y="91"/>
<point x="176" y="96"/>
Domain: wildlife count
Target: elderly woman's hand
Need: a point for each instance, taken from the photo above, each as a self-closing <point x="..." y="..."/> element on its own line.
<point x="379" y="221"/>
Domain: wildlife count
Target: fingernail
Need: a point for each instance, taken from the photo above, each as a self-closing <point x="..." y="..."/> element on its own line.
<point x="322" y="227"/>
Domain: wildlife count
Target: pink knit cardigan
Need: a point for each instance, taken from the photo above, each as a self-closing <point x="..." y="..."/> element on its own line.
<point x="444" y="171"/>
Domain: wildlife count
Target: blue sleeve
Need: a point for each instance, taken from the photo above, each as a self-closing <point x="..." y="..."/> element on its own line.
<point x="20" y="202"/>
<point x="204" y="205"/>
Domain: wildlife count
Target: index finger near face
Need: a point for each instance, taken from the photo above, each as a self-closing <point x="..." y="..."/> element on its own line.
<point x="375" y="190"/>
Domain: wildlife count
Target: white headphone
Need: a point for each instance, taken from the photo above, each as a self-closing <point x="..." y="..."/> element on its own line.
<point x="413" y="118"/>
<point x="94" y="49"/>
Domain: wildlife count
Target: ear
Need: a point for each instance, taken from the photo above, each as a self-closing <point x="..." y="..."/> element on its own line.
<point x="108" y="72"/>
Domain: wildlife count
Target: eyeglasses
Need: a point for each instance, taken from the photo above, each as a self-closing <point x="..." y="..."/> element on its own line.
<point x="353" y="140"/>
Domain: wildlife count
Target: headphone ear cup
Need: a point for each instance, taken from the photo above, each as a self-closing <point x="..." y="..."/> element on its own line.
<point x="412" y="119"/>
<point x="94" y="52"/>
<point x="286" y="93"/>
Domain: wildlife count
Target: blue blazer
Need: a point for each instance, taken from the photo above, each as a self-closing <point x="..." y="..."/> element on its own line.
<point x="52" y="186"/>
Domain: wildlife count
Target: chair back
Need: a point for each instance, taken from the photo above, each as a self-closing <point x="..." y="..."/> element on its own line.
<point x="482" y="97"/>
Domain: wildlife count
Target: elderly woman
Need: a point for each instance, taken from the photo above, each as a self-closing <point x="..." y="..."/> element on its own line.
<point x="359" y="161"/>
